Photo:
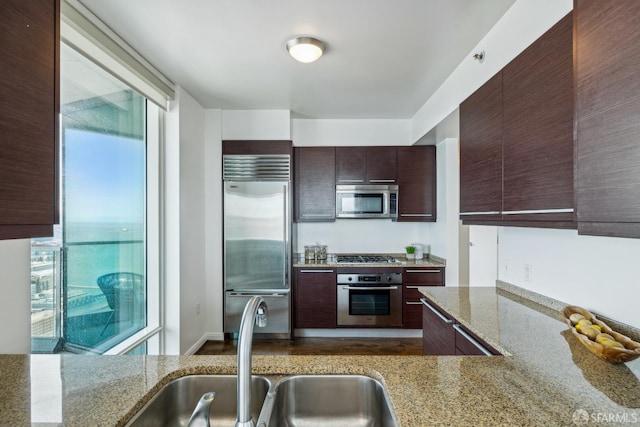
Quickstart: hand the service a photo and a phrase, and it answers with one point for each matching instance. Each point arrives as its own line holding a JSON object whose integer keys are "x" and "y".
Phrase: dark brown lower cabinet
{"x": 442, "y": 335}
{"x": 315, "y": 298}
{"x": 438, "y": 335}
{"x": 468, "y": 344}
{"x": 413, "y": 278}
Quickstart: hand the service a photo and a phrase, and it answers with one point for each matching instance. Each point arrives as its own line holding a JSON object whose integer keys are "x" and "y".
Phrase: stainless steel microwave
{"x": 367, "y": 201}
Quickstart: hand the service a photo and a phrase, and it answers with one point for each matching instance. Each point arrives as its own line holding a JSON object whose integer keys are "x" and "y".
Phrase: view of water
{"x": 93, "y": 250}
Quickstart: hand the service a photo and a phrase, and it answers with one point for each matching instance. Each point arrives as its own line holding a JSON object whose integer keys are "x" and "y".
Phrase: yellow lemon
{"x": 584, "y": 322}
{"x": 575, "y": 317}
{"x": 604, "y": 336}
{"x": 612, "y": 343}
{"x": 590, "y": 332}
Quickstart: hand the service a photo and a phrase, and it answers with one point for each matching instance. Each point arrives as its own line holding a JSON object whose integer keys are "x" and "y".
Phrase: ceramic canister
{"x": 419, "y": 250}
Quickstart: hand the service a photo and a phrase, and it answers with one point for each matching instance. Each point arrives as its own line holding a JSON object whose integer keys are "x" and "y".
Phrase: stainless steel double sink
{"x": 286, "y": 401}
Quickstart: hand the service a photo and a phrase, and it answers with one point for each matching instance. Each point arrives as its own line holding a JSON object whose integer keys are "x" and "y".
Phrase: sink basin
{"x": 329, "y": 400}
{"x": 175, "y": 402}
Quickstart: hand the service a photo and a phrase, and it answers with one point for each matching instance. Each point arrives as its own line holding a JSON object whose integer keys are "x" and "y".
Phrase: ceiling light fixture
{"x": 305, "y": 49}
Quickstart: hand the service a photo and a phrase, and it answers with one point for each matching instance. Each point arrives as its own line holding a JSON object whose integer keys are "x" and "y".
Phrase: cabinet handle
{"x": 424, "y": 271}
{"x": 538, "y": 211}
{"x": 472, "y": 340}
{"x": 481, "y": 213}
{"x": 411, "y": 287}
{"x": 316, "y": 271}
{"x": 418, "y": 215}
{"x": 316, "y": 216}
{"x": 351, "y": 180}
{"x": 382, "y": 180}
{"x": 413, "y": 302}
{"x": 374, "y": 288}
{"x": 436, "y": 312}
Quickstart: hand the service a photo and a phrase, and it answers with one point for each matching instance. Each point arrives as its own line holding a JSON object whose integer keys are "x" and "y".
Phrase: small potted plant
{"x": 410, "y": 251}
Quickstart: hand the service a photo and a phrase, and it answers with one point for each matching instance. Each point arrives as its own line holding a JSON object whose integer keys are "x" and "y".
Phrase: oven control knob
{"x": 350, "y": 279}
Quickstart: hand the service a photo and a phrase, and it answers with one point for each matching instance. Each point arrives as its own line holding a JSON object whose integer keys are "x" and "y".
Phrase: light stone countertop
{"x": 548, "y": 377}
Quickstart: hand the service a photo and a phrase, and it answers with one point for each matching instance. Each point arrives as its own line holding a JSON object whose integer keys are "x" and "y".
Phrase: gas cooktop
{"x": 360, "y": 259}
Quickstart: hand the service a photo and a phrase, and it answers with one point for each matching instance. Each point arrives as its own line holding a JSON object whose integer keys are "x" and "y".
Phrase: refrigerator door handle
{"x": 285, "y": 232}
{"x": 249, "y": 294}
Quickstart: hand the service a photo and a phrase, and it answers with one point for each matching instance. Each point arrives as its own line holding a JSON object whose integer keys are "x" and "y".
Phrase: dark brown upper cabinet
{"x": 366, "y": 165}
{"x": 29, "y": 107}
{"x": 481, "y": 153}
{"x": 608, "y": 117}
{"x": 257, "y": 147}
{"x": 516, "y": 139}
{"x": 417, "y": 183}
{"x": 351, "y": 165}
{"x": 314, "y": 184}
{"x": 382, "y": 165}
{"x": 537, "y": 131}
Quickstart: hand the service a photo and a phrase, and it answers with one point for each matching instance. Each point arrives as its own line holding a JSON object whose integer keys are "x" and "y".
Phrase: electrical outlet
{"x": 528, "y": 270}
{"x": 198, "y": 307}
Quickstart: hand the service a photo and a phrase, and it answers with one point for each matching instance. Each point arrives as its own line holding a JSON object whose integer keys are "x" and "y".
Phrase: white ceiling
{"x": 384, "y": 58}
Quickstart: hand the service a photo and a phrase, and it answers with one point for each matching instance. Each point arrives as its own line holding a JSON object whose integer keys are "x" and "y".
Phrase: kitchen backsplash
{"x": 362, "y": 235}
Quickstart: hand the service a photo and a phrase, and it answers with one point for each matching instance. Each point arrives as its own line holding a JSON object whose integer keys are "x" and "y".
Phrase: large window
{"x": 89, "y": 282}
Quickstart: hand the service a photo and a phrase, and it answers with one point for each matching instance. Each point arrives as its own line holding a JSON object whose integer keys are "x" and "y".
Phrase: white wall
{"x": 362, "y": 235}
{"x": 256, "y": 124}
{"x": 185, "y": 224}
{"x": 445, "y": 233}
{"x": 213, "y": 226}
{"x": 192, "y": 221}
{"x": 15, "y": 304}
{"x": 597, "y": 273}
{"x": 328, "y": 132}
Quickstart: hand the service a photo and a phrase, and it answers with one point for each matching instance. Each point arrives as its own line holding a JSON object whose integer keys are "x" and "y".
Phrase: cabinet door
{"x": 537, "y": 135}
{"x": 351, "y": 165}
{"x": 411, "y": 307}
{"x": 315, "y": 184}
{"x": 413, "y": 278}
{"x": 316, "y": 298}
{"x": 481, "y": 153}
{"x": 469, "y": 344}
{"x": 29, "y": 107}
{"x": 417, "y": 183}
{"x": 382, "y": 165}
{"x": 438, "y": 336}
{"x": 608, "y": 117}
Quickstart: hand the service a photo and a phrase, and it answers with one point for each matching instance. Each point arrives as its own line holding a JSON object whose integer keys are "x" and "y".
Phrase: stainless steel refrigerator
{"x": 257, "y": 239}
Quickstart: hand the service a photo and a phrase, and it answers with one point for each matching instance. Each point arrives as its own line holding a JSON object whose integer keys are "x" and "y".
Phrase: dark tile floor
{"x": 321, "y": 346}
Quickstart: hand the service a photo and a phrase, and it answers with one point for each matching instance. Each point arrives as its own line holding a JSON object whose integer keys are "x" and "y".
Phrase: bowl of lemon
{"x": 599, "y": 338}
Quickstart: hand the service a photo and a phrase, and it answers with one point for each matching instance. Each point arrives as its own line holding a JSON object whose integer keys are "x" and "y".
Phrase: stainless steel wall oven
{"x": 370, "y": 299}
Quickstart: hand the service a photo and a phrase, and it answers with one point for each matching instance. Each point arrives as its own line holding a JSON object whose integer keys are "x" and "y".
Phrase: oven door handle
{"x": 372, "y": 288}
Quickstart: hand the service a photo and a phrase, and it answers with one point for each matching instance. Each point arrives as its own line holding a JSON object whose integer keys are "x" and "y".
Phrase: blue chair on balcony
{"x": 119, "y": 287}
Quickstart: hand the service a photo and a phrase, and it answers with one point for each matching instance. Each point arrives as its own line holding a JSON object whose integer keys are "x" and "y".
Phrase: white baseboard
{"x": 212, "y": 336}
{"x": 358, "y": 333}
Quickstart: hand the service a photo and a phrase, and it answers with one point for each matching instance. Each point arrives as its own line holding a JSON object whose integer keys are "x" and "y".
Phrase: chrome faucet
{"x": 255, "y": 312}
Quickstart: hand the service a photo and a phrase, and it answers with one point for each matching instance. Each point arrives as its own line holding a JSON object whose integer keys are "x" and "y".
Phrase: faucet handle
{"x": 200, "y": 416}
{"x": 261, "y": 317}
